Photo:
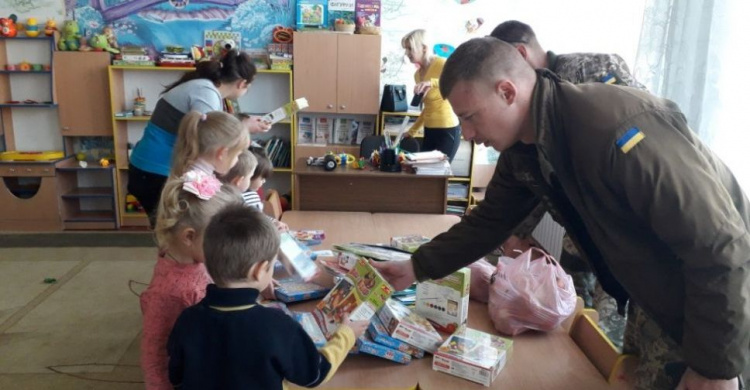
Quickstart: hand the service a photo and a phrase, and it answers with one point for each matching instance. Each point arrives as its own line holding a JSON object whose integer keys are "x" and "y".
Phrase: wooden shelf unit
{"x": 87, "y": 196}
{"x": 123, "y": 81}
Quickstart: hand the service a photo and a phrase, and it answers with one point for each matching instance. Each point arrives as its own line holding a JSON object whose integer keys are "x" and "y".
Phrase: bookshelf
{"x": 270, "y": 90}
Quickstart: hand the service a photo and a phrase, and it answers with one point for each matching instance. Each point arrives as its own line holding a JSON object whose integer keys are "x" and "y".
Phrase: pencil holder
{"x": 389, "y": 161}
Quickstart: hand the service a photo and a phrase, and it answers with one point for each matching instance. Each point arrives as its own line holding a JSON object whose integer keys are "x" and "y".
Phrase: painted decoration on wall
{"x": 155, "y": 24}
{"x": 443, "y": 50}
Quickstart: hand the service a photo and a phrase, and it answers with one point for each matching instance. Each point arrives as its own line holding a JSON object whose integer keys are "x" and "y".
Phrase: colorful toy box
{"x": 379, "y": 334}
{"x": 311, "y": 328}
{"x": 360, "y": 293}
{"x": 473, "y": 355}
{"x": 366, "y": 345}
{"x": 409, "y": 243}
{"x": 296, "y": 290}
{"x": 445, "y": 302}
{"x": 376, "y": 252}
{"x": 402, "y": 324}
{"x": 312, "y": 14}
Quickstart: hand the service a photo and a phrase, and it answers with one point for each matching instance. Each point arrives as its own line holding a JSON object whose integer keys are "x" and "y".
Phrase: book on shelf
{"x": 342, "y": 130}
{"x": 278, "y": 151}
{"x": 323, "y": 129}
{"x": 305, "y": 130}
{"x": 364, "y": 129}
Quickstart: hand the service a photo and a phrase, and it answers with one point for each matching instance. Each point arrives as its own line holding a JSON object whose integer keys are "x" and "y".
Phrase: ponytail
{"x": 200, "y": 134}
{"x": 233, "y": 66}
{"x": 187, "y": 147}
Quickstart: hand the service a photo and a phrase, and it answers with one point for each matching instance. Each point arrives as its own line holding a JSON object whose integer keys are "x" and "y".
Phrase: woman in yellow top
{"x": 441, "y": 128}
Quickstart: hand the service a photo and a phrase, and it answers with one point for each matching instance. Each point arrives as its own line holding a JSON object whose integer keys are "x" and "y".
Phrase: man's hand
{"x": 400, "y": 274}
{"x": 691, "y": 380}
{"x": 422, "y": 87}
{"x": 256, "y": 124}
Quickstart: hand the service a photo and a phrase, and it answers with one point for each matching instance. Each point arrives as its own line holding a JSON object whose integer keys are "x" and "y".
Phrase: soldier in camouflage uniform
{"x": 576, "y": 68}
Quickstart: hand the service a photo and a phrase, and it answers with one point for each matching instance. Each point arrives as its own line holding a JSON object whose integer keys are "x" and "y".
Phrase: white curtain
{"x": 696, "y": 53}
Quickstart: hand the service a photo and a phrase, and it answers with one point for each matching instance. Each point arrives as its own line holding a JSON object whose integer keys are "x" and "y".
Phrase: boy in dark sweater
{"x": 227, "y": 341}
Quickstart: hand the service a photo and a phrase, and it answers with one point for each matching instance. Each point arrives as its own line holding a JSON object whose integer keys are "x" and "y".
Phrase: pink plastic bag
{"x": 481, "y": 273}
{"x": 530, "y": 294}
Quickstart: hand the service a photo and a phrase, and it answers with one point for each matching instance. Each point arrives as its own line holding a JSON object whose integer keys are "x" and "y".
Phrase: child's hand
{"x": 280, "y": 226}
{"x": 358, "y": 327}
{"x": 256, "y": 124}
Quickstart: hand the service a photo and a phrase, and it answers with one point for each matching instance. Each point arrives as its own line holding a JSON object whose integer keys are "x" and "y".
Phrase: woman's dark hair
{"x": 233, "y": 66}
{"x": 264, "y": 168}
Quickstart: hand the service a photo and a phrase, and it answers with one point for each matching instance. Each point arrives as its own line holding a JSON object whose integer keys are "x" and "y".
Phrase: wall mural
{"x": 154, "y": 24}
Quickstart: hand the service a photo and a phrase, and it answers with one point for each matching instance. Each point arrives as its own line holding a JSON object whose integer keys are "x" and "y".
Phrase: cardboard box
{"x": 296, "y": 290}
{"x": 360, "y": 293}
{"x": 311, "y": 328}
{"x": 473, "y": 355}
{"x": 409, "y": 243}
{"x": 402, "y": 324}
{"x": 366, "y": 345}
{"x": 445, "y": 302}
{"x": 379, "y": 334}
{"x": 286, "y": 111}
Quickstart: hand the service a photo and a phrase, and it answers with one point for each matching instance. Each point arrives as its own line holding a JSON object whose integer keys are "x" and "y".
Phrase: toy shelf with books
{"x": 320, "y": 133}
{"x": 269, "y": 90}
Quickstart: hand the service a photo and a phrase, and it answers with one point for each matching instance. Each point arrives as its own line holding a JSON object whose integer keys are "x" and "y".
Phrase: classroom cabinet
{"x": 82, "y": 91}
{"x": 337, "y": 73}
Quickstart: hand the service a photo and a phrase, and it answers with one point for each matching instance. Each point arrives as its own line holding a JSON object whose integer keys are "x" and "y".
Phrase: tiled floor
{"x": 81, "y": 332}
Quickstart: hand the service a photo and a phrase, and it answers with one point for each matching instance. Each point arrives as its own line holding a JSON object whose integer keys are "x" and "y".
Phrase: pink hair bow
{"x": 200, "y": 184}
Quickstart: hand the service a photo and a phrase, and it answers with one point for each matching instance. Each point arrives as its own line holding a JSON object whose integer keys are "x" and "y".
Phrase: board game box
{"x": 409, "y": 243}
{"x": 366, "y": 345}
{"x": 445, "y": 302}
{"x": 407, "y": 326}
{"x": 295, "y": 290}
{"x": 473, "y": 355}
{"x": 375, "y": 252}
{"x": 360, "y": 293}
{"x": 379, "y": 334}
{"x": 311, "y": 327}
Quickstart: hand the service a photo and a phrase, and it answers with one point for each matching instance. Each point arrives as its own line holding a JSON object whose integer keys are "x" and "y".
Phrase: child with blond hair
{"x": 180, "y": 276}
{"x": 228, "y": 341}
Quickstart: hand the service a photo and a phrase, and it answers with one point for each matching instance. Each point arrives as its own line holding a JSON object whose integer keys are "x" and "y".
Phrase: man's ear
{"x": 524, "y": 53}
{"x": 507, "y": 90}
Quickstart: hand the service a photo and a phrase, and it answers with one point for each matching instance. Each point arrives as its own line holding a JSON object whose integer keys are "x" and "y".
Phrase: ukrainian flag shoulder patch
{"x": 631, "y": 138}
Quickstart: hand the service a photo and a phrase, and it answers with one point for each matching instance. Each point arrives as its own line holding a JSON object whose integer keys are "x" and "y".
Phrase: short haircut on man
{"x": 483, "y": 59}
{"x": 236, "y": 238}
{"x": 514, "y": 32}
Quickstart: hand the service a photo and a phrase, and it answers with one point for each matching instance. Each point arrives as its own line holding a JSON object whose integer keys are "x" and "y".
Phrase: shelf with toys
{"x": 270, "y": 90}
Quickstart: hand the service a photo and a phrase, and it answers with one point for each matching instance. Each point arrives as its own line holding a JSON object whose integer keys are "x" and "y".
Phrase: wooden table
{"x": 348, "y": 189}
{"x": 538, "y": 361}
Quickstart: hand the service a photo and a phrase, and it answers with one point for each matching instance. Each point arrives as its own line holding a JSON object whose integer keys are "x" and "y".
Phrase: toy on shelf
{"x": 70, "y": 36}
{"x": 50, "y": 27}
{"x": 11, "y": 67}
{"x": 8, "y": 27}
{"x": 139, "y": 104}
{"x": 104, "y": 162}
{"x": 99, "y": 42}
{"x": 281, "y": 34}
{"x": 109, "y": 32}
{"x": 132, "y": 205}
{"x": 24, "y": 66}
{"x": 221, "y": 47}
{"x": 32, "y": 28}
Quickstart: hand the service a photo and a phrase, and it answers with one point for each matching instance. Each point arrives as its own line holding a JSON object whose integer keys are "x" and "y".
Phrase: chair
{"x": 272, "y": 205}
{"x": 370, "y": 144}
{"x": 410, "y": 145}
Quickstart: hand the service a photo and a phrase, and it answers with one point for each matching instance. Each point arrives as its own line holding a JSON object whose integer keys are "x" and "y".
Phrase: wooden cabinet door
{"x": 82, "y": 93}
{"x": 358, "y": 74}
{"x": 315, "y": 70}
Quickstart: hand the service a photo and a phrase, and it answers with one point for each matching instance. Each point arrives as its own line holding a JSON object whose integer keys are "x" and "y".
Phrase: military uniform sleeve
{"x": 505, "y": 205}
{"x": 622, "y": 72}
{"x": 674, "y": 188}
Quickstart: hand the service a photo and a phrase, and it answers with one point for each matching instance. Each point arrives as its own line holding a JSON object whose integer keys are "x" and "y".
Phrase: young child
{"x": 227, "y": 341}
{"x": 180, "y": 277}
{"x": 248, "y": 175}
{"x": 208, "y": 144}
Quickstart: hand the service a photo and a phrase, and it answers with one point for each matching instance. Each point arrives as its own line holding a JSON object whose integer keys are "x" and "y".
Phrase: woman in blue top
{"x": 202, "y": 90}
